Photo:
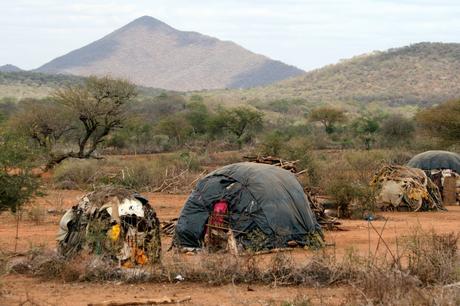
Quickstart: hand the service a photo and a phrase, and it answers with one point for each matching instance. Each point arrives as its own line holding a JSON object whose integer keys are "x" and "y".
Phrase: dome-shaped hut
{"x": 261, "y": 206}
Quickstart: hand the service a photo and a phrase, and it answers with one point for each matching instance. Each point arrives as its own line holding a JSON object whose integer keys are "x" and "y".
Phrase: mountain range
{"x": 151, "y": 53}
{"x": 155, "y": 55}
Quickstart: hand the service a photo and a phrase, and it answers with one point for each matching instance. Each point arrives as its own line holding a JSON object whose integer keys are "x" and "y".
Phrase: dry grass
{"x": 424, "y": 271}
{"x": 432, "y": 257}
{"x": 299, "y": 300}
{"x": 167, "y": 173}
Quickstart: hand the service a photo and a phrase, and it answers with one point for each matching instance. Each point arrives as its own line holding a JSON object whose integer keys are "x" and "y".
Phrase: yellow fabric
{"x": 114, "y": 232}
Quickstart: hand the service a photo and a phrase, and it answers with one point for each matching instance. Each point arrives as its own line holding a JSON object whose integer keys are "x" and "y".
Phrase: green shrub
{"x": 17, "y": 183}
{"x": 273, "y": 143}
{"x": 301, "y": 149}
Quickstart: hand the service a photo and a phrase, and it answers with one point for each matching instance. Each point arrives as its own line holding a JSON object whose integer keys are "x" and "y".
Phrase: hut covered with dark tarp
{"x": 436, "y": 160}
{"x": 267, "y": 208}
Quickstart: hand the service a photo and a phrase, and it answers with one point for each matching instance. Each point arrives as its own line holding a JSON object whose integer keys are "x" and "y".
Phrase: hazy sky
{"x": 308, "y": 34}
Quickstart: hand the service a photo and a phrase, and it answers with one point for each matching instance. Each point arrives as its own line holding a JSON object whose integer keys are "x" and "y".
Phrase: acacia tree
{"x": 78, "y": 119}
{"x": 240, "y": 121}
{"x": 328, "y": 116}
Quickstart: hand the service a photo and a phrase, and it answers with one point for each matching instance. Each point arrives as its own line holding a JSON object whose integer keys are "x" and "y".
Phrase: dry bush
{"x": 408, "y": 295}
{"x": 48, "y": 267}
{"x": 72, "y": 269}
{"x": 346, "y": 176}
{"x": 299, "y": 300}
{"x": 36, "y": 214}
{"x": 165, "y": 172}
{"x": 76, "y": 174}
{"x": 364, "y": 164}
{"x": 3, "y": 262}
{"x": 3, "y": 269}
{"x": 216, "y": 159}
{"x": 399, "y": 157}
{"x": 432, "y": 257}
{"x": 415, "y": 277}
{"x": 384, "y": 284}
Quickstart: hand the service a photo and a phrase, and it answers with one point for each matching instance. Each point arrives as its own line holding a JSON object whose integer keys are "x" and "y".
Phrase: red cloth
{"x": 218, "y": 213}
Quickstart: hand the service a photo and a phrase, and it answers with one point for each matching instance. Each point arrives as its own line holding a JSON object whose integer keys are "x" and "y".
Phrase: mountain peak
{"x": 149, "y": 52}
{"x": 147, "y": 21}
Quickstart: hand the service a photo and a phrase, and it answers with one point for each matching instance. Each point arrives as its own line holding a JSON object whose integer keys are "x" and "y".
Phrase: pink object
{"x": 218, "y": 212}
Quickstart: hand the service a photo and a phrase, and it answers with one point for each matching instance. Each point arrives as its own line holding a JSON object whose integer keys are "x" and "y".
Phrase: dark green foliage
{"x": 241, "y": 122}
{"x": 284, "y": 106}
{"x": 197, "y": 115}
{"x": 7, "y": 108}
{"x": 328, "y": 116}
{"x": 366, "y": 128}
{"x": 17, "y": 184}
{"x": 176, "y": 127}
{"x": 273, "y": 143}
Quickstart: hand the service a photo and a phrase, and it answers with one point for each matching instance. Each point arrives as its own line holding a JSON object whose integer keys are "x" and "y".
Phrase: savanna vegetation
{"x": 103, "y": 131}
{"x": 406, "y": 78}
{"x": 101, "y": 117}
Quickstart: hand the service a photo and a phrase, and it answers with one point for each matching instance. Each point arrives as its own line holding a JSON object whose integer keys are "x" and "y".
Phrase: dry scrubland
{"x": 415, "y": 263}
{"x": 398, "y": 258}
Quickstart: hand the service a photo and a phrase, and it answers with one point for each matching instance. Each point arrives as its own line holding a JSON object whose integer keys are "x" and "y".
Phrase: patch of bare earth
{"x": 356, "y": 234}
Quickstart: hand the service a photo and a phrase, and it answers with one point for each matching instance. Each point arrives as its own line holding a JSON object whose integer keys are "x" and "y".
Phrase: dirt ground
{"x": 356, "y": 234}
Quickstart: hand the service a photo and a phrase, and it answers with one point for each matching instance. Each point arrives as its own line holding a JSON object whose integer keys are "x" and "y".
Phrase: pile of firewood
{"x": 326, "y": 222}
{"x": 275, "y": 161}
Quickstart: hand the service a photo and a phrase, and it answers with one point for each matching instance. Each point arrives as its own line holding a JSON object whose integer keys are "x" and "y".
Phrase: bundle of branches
{"x": 326, "y": 222}
{"x": 179, "y": 182}
{"x": 401, "y": 187}
{"x": 275, "y": 161}
{"x": 168, "y": 227}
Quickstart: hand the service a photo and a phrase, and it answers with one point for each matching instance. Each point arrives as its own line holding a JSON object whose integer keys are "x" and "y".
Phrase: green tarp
{"x": 262, "y": 199}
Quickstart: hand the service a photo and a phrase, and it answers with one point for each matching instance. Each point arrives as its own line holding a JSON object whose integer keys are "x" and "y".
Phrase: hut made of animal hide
{"x": 113, "y": 223}
{"x": 405, "y": 188}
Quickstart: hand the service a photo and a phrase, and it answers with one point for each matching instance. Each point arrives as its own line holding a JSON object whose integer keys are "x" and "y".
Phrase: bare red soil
{"x": 356, "y": 234}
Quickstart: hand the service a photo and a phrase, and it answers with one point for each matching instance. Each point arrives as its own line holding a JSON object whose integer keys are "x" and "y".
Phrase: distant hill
{"x": 420, "y": 74}
{"x": 26, "y": 84}
{"x": 151, "y": 53}
{"x": 9, "y": 68}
